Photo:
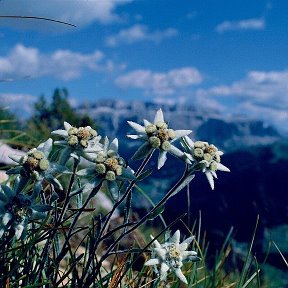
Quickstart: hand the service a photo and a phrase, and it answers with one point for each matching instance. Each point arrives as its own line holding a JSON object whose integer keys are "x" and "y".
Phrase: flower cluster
{"x": 16, "y": 210}
{"x": 81, "y": 140}
{"x": 35, "y": 160}
{"x": 171, "y": 255}
{"x": 109, "y": 168}
{"x": 205, "y": 157}
{"x": 157, "y": 135}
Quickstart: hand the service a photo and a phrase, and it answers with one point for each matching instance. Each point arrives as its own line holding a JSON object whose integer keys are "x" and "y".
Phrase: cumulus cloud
{"x": 263, "y": 94}
{"x": 23, "y": 62}
{"x": 138, "y": 33}
{"x": 157, "y": 83}
{"x": 77, "y": 12}
{"x": 246, "y": 24}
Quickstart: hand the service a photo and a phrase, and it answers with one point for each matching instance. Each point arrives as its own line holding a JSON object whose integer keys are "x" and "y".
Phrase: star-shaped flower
{"x": 110, "y": 168}
{"x": 205, "y": 157}
{"x": 17, "y": 210}
{"x": 35, "y": 163}
{"x": 157, "y": 135}
{"x": 80, "y": 141}
{"x": 171, "y": 254}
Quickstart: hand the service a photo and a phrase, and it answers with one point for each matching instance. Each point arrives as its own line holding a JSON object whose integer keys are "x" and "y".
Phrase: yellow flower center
{"x": 111, "y": 164}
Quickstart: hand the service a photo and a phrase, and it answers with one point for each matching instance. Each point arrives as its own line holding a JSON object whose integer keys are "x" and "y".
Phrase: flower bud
{"x": 166, "y": 145}
{"x": 150, "y": 129}
{"x": 73, "y": 131}
{"x": 199, "y": 144}
{"x": 100, "y": 168}
{"x": 161, "y": 125}
{"x": 119, "y": 170}
{"x": 207, "y": 157}
{"x": 213, "y": 166}
{"x": 198, "y": 153}
{"x": 84, "y": 143}
{"x": 110, "y": 176}
{"x": 44, "y": 164}
{"x": 154, "y": 142}
{"x": 72, "y": 140}
{"x": 38, "y": 155}
{"x": 171, "y": 133}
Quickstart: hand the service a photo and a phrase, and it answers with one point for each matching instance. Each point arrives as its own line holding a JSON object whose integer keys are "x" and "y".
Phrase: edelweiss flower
{"x": 109, "y": 168}
{"x": 171, "y": 255}
{"x": 36, "y": 163}
{"x": 81, "y": 140}
{"x": 157, "y": 135}
{"x": 17, "y": 209}
{"x": 206, "y": 157}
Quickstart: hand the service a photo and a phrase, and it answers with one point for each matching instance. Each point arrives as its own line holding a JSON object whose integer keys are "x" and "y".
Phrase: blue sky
{"x": 226, "y": 55}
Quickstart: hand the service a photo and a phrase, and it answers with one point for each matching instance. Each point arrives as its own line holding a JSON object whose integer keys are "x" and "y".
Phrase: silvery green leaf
{"x": 1, "y": 232}
{"x": 62, "y": 133}
{"x": 142, "y": 151}
{"x": 8, "y": 191}
{"x": 210, "y": 178}
{"x": 65, "y": 155}
{"x": 14, "y": 170}
{"x": 54, "y": 197}
{"x": 106, "y": 144}
{"x": 221, "y": 167}
{"x": 55, "y": 167}
{"x": 15, "y": 158}
{"x": 137, "y": 127}
{"x": 181, "y": 133}
{"x": 114, "y": 145}
{"x": 162, "y": 159}
{"x": 88, "y": 187}
{"x": 146, "y": 123}
{"x": 37, "y": 215}
{"x": 144, "y": 174}
{"x": 184, "y": 183}
{"x": 86, "y": 172}
{"x": 127, "y": 174}
{"x": 135, "y": 137}
{"x": 156, "y": 212}
{"x": 113, "y": 189}
{"x": 159, "y": 116}
{"x": 67, "y": 126}
{"x": 36, "y": 190}
{"x": 54, "y": 181}
{"x": 3, "y": 197}
{"x": 19, "y": 230}
{"x": 46, "y": 147}
{"x": 6, "y": 218}
{"x": 176, "y": 152}
{"x": 42, "y": 208}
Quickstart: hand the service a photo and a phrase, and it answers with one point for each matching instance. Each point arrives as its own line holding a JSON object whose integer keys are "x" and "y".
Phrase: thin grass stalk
{"x": 245, "y": 267}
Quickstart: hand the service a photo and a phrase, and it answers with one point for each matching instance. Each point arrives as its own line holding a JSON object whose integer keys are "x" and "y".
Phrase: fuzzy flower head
{"x": 205, "y": 157}
{"x": 157, "y": 135}
{"x": 79, "y": 139}
{"x": 35, "y": 163}
{"x": 16, "y": 210}
{"x": 171, "y": 255}
{"x": 110, "y": 168}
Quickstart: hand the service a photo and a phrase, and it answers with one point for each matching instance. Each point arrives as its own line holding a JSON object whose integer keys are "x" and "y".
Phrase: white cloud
{"x": 246, "y": 24}
{"x": 261, "y": 94}
{"x": 138, "y": 33}
{"x": 160, "y": 83}
{"x": 78, "y": 12}
{"x": 23, "y": 62}
{"x": 260, "y": 87}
